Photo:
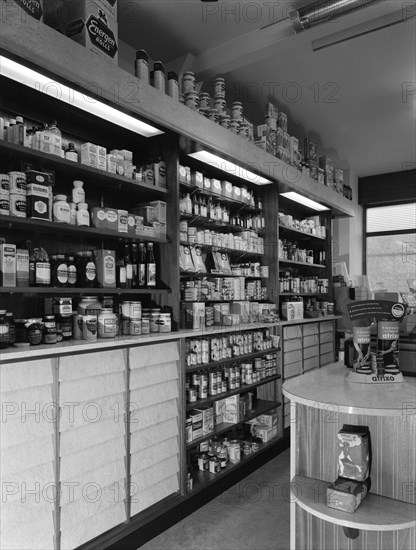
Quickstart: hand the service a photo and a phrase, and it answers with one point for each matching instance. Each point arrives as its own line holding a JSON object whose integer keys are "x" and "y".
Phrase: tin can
{"x": 154, "y": 322}
{"x": 125, "y": 326}
{"x": 135, "y": 328}
{"x": 4, "y": 205}
{"x": 4, "y": 184}
{"x": 125, "y": 309}
{"x": 17, "y": 183}
{"x": 77, "y": 326}
{"x": 214, "y": 465}
{"x": 89, "y": 328}
{"x": 145, "y": 326}
{"x": 135, "y": 310}
{"x": 192, "y": 395}
{"x": 165, "y": 323}
{"x": 234, "y": 451}
{"x": 203, "y": 461}
{"x": 18, "y": 205}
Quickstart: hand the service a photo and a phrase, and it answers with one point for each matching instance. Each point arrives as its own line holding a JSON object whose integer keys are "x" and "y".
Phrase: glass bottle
{"x": 121, "y": 273}
{"x": 71, "y": 153}
{"x": 134, "y": 255}
{"x": 72, "y": 271}
{"x": 141, "y": 266}
{"x": 129, "y": 266}
{"x": 150, "y": 266}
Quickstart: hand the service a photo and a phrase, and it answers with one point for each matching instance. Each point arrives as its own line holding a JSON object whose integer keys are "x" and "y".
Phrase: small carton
{"x": 242, "y": 309}
{"x": 216, "y": 186}
{"x": 227, "y": 189}
{"x": 219, "y": 410}
{"x": 346, "y": 494}
{"x": 33, "y": 176}
{"x": 101, "y": 158}
{"x": 105, "y": 261}
{"x": 111, "y": 163}
{"x": 89, "y": 154}
{"x": 122, "y": 216}
{"x": 37, "y": 205}
{"x": 197, "y": 179}
{"x": 184, "y": 174}
{"x": 156, "y": 211}
{"x": 119, "y": 159}
{"x": 7, "y": 265}
{"x": 112, "y": 218}
{"x": 232, "y": 409}
{"x": 196, "y": 419}
{"x": 265, "y": 433}
{"x": 268, "y": 419}
{"x": 99, "y": 217}
{"x": 292, "y": 310}
{"x": 22, "y": 267}
{"x": 207, "y": 419}
{"x": 207, "y": 184}
{"x": 194, "y": 314}
{"x": 310, "y": 151}
{"x": 236, "y": 193}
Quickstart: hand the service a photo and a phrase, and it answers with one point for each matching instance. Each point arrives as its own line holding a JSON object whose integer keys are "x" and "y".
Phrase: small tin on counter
{"x": 145, "y": 326}
{"x": 89, "y": 328}
{"x": 135, "y": 327}
{"x": 203, "y": 461}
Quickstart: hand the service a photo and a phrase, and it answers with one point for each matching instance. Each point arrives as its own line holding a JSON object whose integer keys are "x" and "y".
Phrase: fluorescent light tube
{"x": 40, "y": 83}
{"x": 303, "y": 200}
{"x": 229, "y": 167}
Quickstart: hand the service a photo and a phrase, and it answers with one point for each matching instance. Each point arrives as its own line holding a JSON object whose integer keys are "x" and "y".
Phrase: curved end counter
{"x": 321, "y": 403}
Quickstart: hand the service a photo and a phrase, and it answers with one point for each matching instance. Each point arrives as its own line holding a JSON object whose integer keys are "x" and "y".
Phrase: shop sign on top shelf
{"x": 378, "y": 366}
{"x": 31, "y": 7}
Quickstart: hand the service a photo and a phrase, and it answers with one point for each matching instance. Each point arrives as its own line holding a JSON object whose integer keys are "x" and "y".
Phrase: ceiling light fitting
{"x": 304, "y": 200}
{"x": 53, "y": 88}
{"x": 325, "y": 10}
{"x": 229, "y": 167}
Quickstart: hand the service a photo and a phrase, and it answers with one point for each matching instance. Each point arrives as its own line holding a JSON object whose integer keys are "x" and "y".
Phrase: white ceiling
{"x": 348, "y": 96}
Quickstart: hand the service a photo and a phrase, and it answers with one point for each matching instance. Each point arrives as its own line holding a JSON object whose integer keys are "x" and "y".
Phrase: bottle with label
{"x": 19, "y": 131}
{"x": 134, "y": 255}
{"x": 129, "y": 267}
{"x": 150, "y": 266}
{"x": 72, "y": 271}
{"x": 78, "y": 193}
{"x": 61, "y": 210}
{"x": 71, "y": 153}
{"x": 86, "y": 270}
{"x": 56, "y": 138}
{"x": 39, "y": 268}
{"x": 83, "y": 216}
{"x": 141, "y": 267}
{"x": 59, "y": 270}
{"x": 50, "y": 335}
{"x": 160, "y": 172}
{"x": 121, "y": 273}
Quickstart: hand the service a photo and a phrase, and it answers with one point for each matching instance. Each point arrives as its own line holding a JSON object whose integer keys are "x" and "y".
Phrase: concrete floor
{"x": 251, "y": 515}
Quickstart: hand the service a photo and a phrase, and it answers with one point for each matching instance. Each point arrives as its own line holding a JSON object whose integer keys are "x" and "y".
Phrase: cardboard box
{"x": 346, "y": 494}
{"x": 219, "y": 410}
{"x": 197, "y": 179}
{"x": 22, "y": 267}
{"x": 231, "y": 412}
{"x": 194, "y": 314}
{"x": 105, "y": 261}
{"x": 292, "y": 310}
{"x": 207, "y": 419}
{"x": 242, "y": 309}
{"x": 89, "y": 154}
{"x": 37, "y": 201}
{"x": 196, "y": 419}
{"x": 34, "y": 8}
{"x": 154, "y": 211}
{"x": 268, "y": 419}
{"x": 7, "y": 265}
{"x": 265, "y": 433}
{"x": 92, "y": 24}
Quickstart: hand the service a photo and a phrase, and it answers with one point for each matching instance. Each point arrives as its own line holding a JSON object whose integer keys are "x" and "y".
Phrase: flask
{"x": 134, "y": 263}
{"x": 71, "y": 153}
{"x": 121, "y": 273}
{"x": 55, "y": 138}
{"x": 141, "y": 266}
{"x": 129, "y": 266}
{"x": 150, "y": 266}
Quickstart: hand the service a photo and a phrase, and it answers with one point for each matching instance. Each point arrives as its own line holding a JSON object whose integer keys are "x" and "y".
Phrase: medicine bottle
{"x": 83, "y": 216}
{"x": 78, "y": 193}
{"x": 71, "y": 153}
{"x": 61, "y": 211}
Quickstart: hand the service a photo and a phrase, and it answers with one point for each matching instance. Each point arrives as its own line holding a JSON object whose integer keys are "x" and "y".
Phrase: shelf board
{"x": 376, "y": 513}
{"x": 204, "y": 478}
{"x": 300, "y": 233}
{"x": 76, "y": 169}
{"x": 78, "y": 291}
{"x": 207, "y": 223}
{"x": 259, "y": 408}
{"x": 237, "y": 358}
{"x": 192, "y": 274}
{"x": 242, "y": 388}
{"x": 304, "y": 264}
{"x": 29, "y": 224}
{"x": 230, "y": 251}
{"x": 303, "y": 293}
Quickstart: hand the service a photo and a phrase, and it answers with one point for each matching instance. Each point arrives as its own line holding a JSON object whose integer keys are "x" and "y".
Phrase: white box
{"x": 292, "y": 310}
{"x": 89, "y": 154}
{"x": 7, "y": 265}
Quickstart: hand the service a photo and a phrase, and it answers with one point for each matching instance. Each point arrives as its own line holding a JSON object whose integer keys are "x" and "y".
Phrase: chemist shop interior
{"x": 207, "y": 272}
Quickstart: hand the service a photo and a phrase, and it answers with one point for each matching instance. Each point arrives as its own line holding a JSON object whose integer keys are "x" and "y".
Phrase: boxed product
{"x": 227, "y": 189}
{"x": 112, "y": 218}
{"x": 111, "y": 163}
{"x": 197, "y": 179}
{"x": 231, "y": 412}
{"x": 127, "y": 163}
{"x": 354, "y": 448}
{"x": 222, "y": 262}
{"x": 37, "y": 201}
{"x": 310, "y": 151}
{"x": 207, "y": 184}
{"x": 89, "y": 154}
{"x": 185, "y": 259}
{"x": 254, "y": 312}
{"x": 265, "y": 433}
{"x": 194, "y": 314}
{"x": 7, "y": 265}
{"x": 156, "y": 213}
{"x": 33, "y": 8}
{"x": 118, "y": 157}
{"x": 346, "y": 494}
{"x": 188, "y": 429}
{"x": 105, "y": 261}
{"x": 33, "y": 176}
{"x": 292, "y": 310}
{"x": 207, "y": 419}
{"x": 184, "y": 174}
{"x": 196, "y": 419}
{"x": 219, "y": 410}
{"x": 268, "y": 419}
{"x": 22, "y": 267}
{"x": 92, "y": 24}
{"x": 242, "y": 309}
{"x": 122, "y": 216}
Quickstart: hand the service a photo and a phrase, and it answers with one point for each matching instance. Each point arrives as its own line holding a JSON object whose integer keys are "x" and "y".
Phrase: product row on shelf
{"x": 311, "y": 225}
{"x": 302, "y": 284}
{"x": 48, "y": 138}
{"x": 25, "y": 265}
{"x": 246, "y": 242}
{"x": 30, "y": 194}
{"x": 93, "y": 319}
{"x": 224, "y": 289}
{"x": 201, "y": 384}
{"x": 292, "y": 251}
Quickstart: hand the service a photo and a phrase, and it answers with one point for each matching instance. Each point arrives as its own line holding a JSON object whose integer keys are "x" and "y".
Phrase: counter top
{"x": 327, "y": 388}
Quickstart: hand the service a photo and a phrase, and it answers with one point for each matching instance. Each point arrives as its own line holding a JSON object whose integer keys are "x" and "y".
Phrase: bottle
{"x": 72, "y": 271}
{"x": 19, "y": 131}
{"x": 121, "y": 273}
{"x": 72, "y": 213}
{"x": 150, "y": 267}
{"x": 159, "y": 169}
{"x": 10, "y": 130}
{"x": 86, "y": 270}
{"x": 78, "y": 193}
{"x": 61, "y": 211}
{"x": 83, "y": 216}
{"x": 134, "y": 255}
{"x": 41, "y": 267}
{"x": 59, "y": 270}
{"x": 141, "y": 267}
{"x": 159, "y": 80}
{"x": 141, "y": 68}
{"x": 129, "y": 266}
{"x": 56, "y": 138}
{"x": 71, "y": 153}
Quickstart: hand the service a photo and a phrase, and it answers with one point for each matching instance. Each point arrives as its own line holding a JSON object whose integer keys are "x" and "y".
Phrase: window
{"x": 390, "y": 241}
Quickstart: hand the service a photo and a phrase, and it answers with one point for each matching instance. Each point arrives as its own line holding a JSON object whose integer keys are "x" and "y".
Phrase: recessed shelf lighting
{"x": 229, "y": 167}
{"x": 304, "y": 200}
{"x": 62, "y": 92}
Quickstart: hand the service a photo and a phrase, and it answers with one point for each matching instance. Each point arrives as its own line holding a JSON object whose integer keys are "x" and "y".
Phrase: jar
{"x": 29, "y": 331}
{"x": 71, "y": 153}
{"x": 49, "y": 330}
{"x": 77, "y": 326}
{"x": 204, "y": 101}
{"x": 59, "y": 268}
{"x": 173, "y": 85}
{"x": 61, "y": 211}
{"x": 165, "y": 324}
{"x": 214, "y": 465}
{"x": 4, "y": 205}
{"x": 18, "y": 205}
{"x": 188, "y": 82}
{"x": 135, "y": 327}
{"x": 12, "y": 328}
{"x": 135, "y": 310}
{"x": 83, "y": 216}
{"x": 72, "y": 213}
{"x": 142, "y": 66}
{"x": 89, "y": 305}
{"x": 89, "y": 328}
{"x": 4, "y": 184}
{"x": 64, "y": 327}
{"x": 145, "y": 326}
{"x": 192, "y": 100}
{"x": 107, "y": 324}
{"x": 203, "y": 461}
{"x": 235, "y": 451}
{"x": 237, "y": 110}
{"x": 222, "y": 455}
{"x": 219, "y": 88}
{"x": 72, "y": 271}
{"x": 4, "y": 330}
{"x": 154, "y": 322}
